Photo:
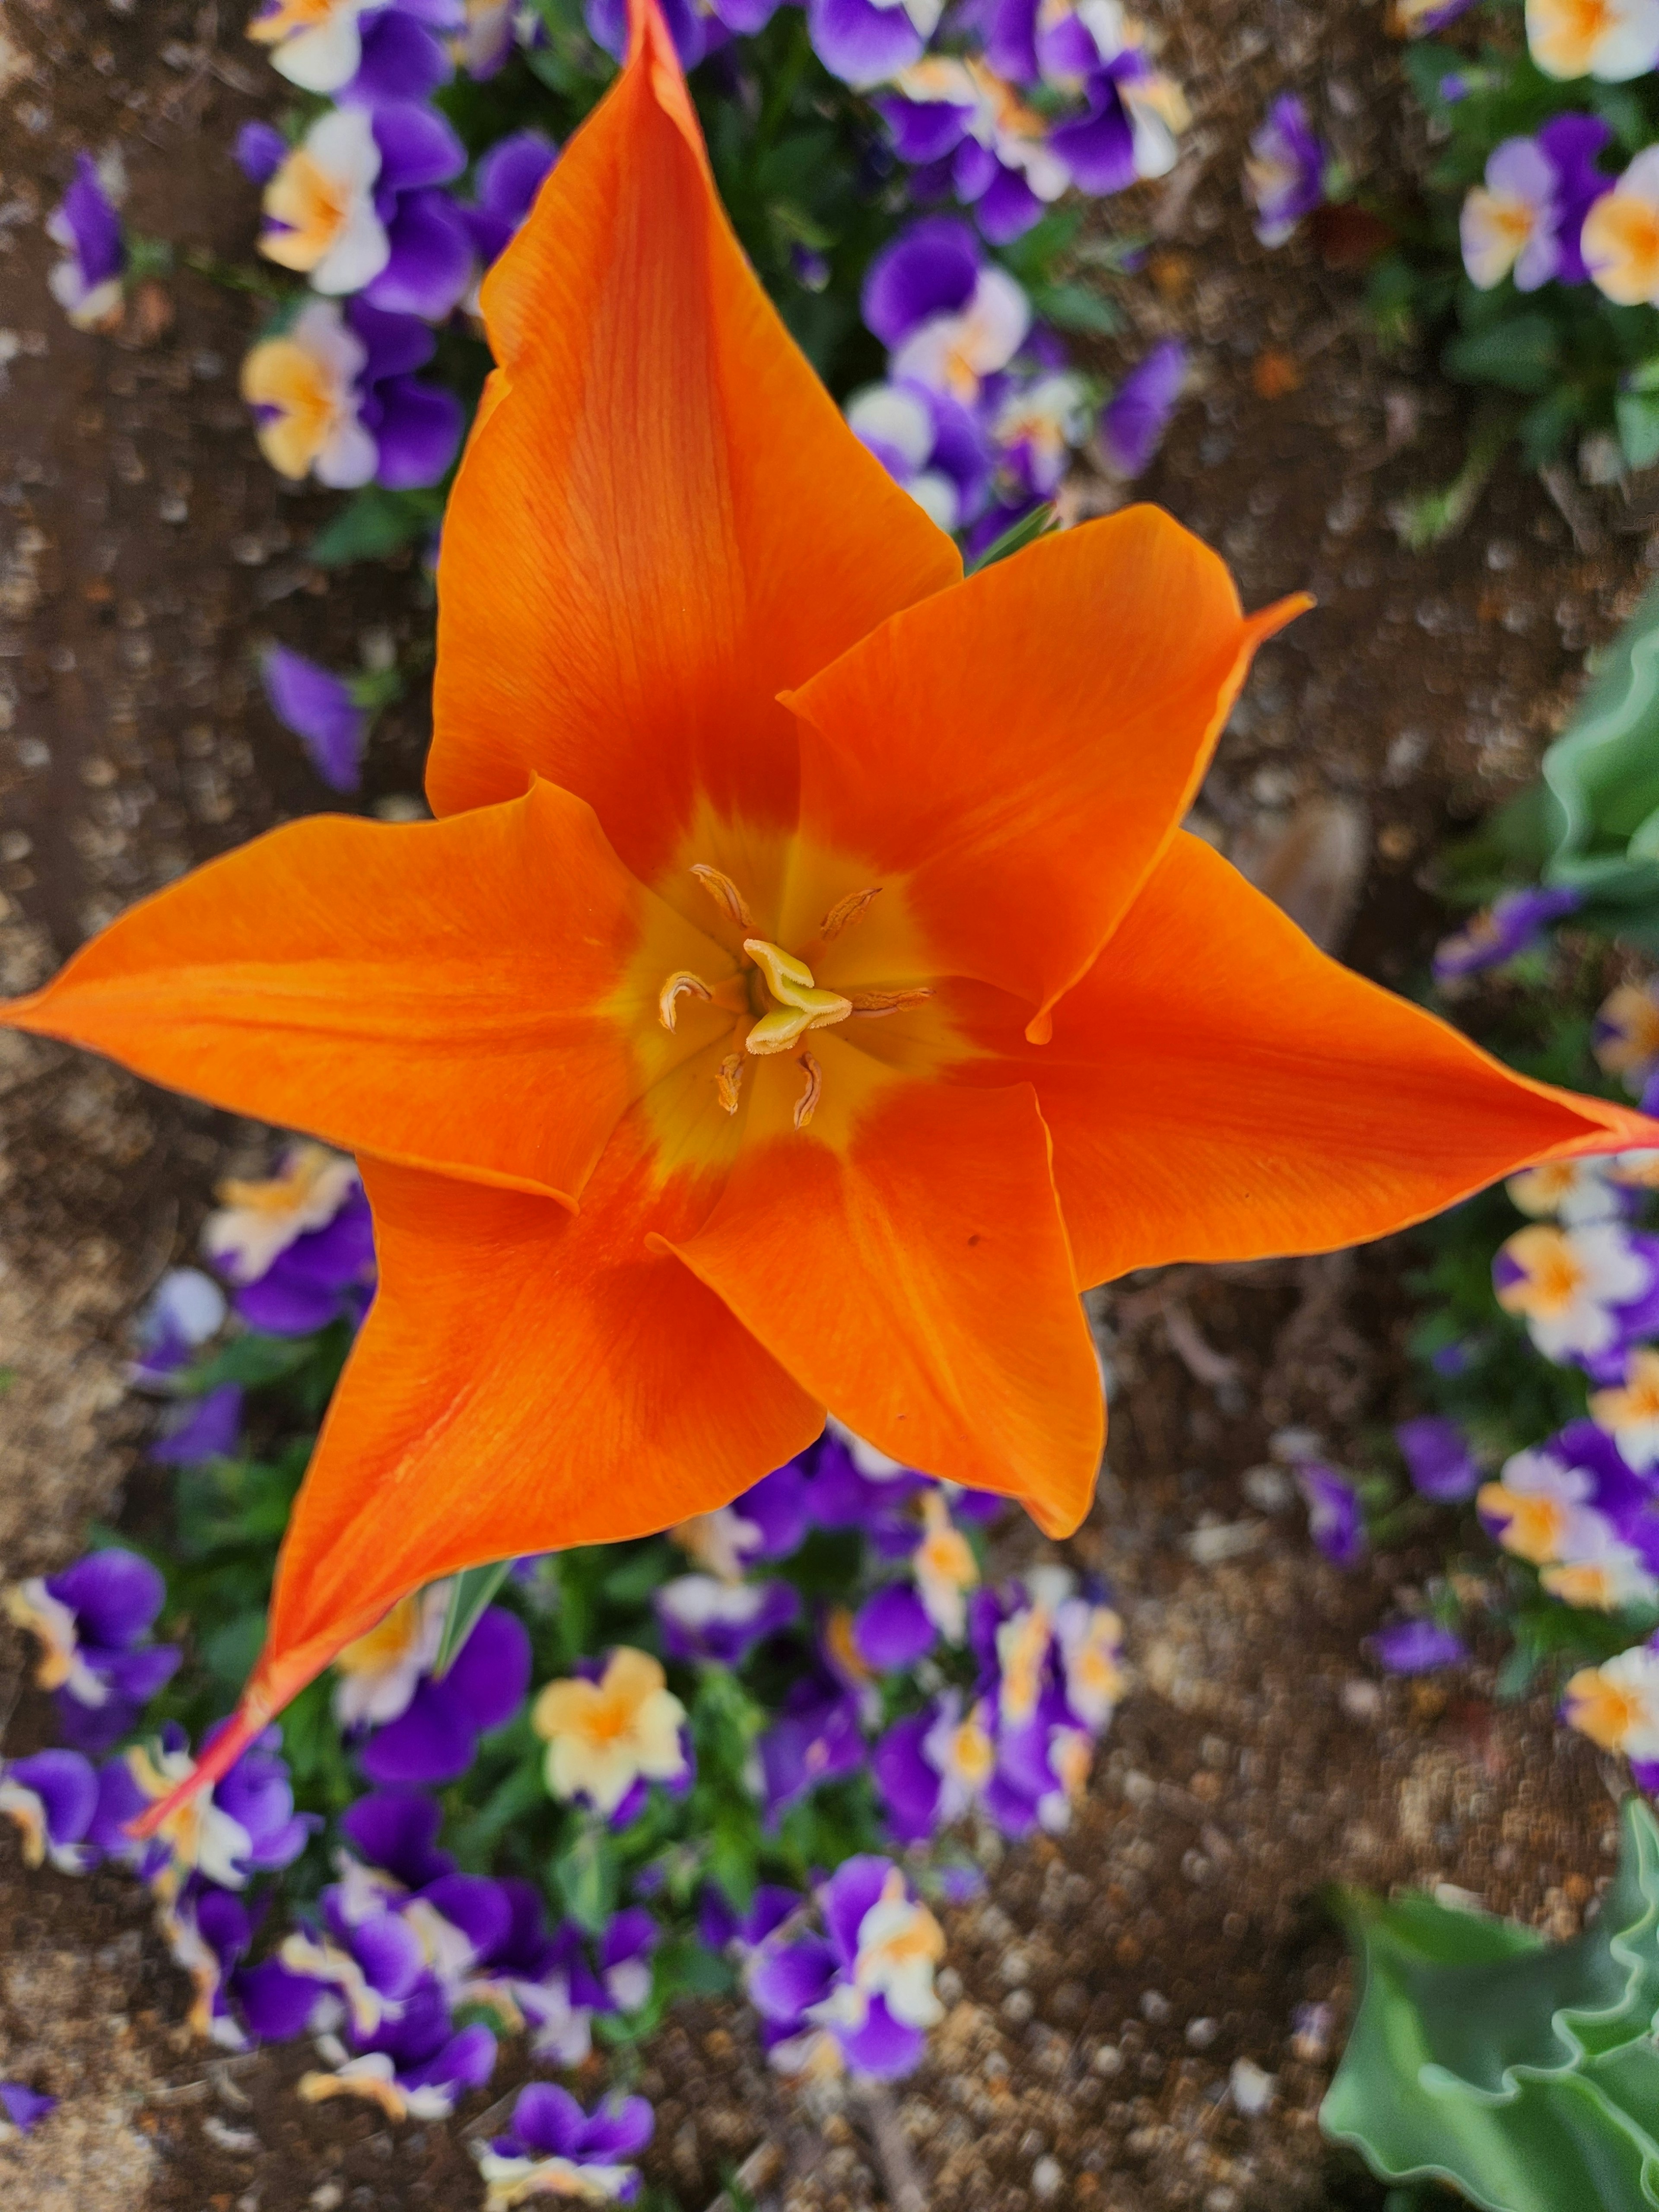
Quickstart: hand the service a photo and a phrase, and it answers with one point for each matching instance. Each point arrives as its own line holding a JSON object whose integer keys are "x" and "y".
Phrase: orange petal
{"x": 663, "y": 521}
{"x": 527, "y": 1380}
{"x": 1020, "y": 751}
{"x": 1218, "y": 1089}
{"x": 448, "y": 994}
{"x": 918, "y": 1282}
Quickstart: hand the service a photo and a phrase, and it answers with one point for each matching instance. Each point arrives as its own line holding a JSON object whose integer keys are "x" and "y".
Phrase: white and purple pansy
{"x": 1626, "y": 1035}
{"x": 816, "y": 1738}
{"x": 949, "y": 318}
{"x": 971, "y": 136}
{"x": 1573, "y": 1192}
{"x": 707, "y": 1620}
{"x": 929, "y": 443}
{"x": 362, "y": 50}
{"x": 1585, "y": 1293}
{"x": 298, "y": 1246}
{"x": 91, "y": 1622}
{"x": 861, "y": 1997}
{"x": 334, "y": 395}
{"x": 1629, "y": 1410}
{"x": 209, "y": 1932}
{"x": 1616, "y": 1705}
{"x": 52, "y": 1799}
{"x": 1577, "y": 1510}
{"x": 358, "y": 207}
{"x": 242, "y": 1825}
{"x": 935, "y": 1766}
{"x": 414, "y": 2067}
{"x": 87, "y": 283}
{"x": 552, "y": 2147}
{"x": 421, "y": 1727}
{"x": 611, "y": 1730}
{"x": 186, "y": 1310}
{"x": 1526, "y": 220}
{"x": 1284, "y": 171}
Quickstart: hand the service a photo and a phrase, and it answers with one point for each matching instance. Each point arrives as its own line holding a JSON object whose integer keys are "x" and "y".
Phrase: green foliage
{"x": 1030, "y": 526}
{"x": 374, "y": 523}
{"x": 1522, "y": 2073}
{"x": 469, "y": 1594}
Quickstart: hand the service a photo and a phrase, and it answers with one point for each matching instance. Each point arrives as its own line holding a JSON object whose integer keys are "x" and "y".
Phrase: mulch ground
{"x": 1102, "y": 1992}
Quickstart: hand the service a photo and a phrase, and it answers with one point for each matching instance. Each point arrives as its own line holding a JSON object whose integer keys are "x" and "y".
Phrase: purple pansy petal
{"x": 417, "y": 147}
{"x": 547, "y": 2121}
{"x": 784, "y": 1979}
{"x": 510, "y": 174}
{"x": 392, "y": 344}
{"x": 1133, "y": 422}
{"x": 1510, "y": 926}
{"x": 275, "y": 2004}
{"x": 1335, "y": 1520}
{"x": 94, "y": 225}
{"x": 1099, "y": 147}
{"x": 397, "y": 1830}
{"x": 476, "y": 1906}
{"x": 862, "y": 43}
{"x": 923, "y": 130}
{"x": 884, "y": 2048}
{"x": 260, "y": 150}
{"x": 619, "y": 2129}
{"x": 1438, "y": 1459}
{"x": 910, "y": 1786}
{"x": 1571, "y": 144}
{"x": 1007, "y": 208}
{"x": 466, "y": 2061}
{"x": 401, "y": 61}
{"x": 430, "y": 263}
{"x": 115, "y": 1593}
{"x": 23, "y": 2106}
{"x": 209, "y": 1430}
{"x": 1011, "y": 39}
{"x": 777, "y": 1507}
{"x": 893, "y": 1628}
{"x": 930, "y": 270}
{"x": 1412, "y": 1647}
{"x": 418, "y": 431}
{"x": 432, "y": 1740}
{"x": 490, "y": 1674}
{"x": 66, "y": 1786}
{"x": 317, "y": 706}
{"x": 855, "y": 1885}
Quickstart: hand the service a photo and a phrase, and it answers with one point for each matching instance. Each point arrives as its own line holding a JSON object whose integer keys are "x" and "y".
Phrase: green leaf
{"x": 252, "y": 1360}
{"x": 587, "y": 1878}
{"x": 1521, "y": 2072}
{"x": 1017, "y": 537}
{"x": 1520, "y": 353}
{"x": 469, "y": 1594}
{"x": 1074, "y": 307}
{"x": 373, "y": 523}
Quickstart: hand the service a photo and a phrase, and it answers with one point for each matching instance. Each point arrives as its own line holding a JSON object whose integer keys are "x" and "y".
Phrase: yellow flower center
{"x": 290, "y": 16}
{"x": 386, "y": 1645}
{"x": 775, "y": 997}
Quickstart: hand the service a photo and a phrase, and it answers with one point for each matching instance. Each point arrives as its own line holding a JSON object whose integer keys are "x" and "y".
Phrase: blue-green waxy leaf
{"x": 469, "y": 1594}
{"x": 1522, "y": 2073}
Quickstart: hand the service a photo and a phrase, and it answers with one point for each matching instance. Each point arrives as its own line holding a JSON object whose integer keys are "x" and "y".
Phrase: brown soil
{"x": 1103, "y": 1991}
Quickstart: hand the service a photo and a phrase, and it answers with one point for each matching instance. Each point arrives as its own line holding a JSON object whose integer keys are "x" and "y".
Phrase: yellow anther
{"x": 890, "y": 1002}
{"x": 682, "y": 984}
{"x": 806, "y": 1104}
{"x": 729, "y": 1080}
{"x": 845, "y": 912}
{"x": 801, "y": 1006}
{"x": 724, "y": 894}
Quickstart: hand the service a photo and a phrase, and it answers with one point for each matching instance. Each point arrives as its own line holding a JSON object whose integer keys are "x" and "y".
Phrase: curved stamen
{"x": 845, "y": 912}
{"x": 806, "y": 1104}
{"x": 724, "y": 894}
{"x": 728, "y": 1081}
{"x": 682, "y": 984}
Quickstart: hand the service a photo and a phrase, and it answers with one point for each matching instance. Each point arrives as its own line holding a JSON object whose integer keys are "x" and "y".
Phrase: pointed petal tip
{"x": 251, "y": 1717}
{"x": 1267, "y": 621}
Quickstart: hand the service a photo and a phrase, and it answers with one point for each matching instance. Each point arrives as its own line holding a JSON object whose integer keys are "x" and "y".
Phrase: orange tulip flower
{"x": 806, "y": 989}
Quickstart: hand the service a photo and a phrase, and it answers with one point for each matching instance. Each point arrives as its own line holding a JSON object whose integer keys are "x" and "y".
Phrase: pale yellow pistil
{"x": 801, "y": 1005}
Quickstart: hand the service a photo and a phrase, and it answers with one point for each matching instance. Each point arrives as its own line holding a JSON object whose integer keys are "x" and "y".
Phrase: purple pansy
{"x": 428, "y": 260}
{"x": 864, "y": 42}
{"x": 325, "y": 1274}
{"x": 414, "y": 2064}
{"x": 186, "y": 1308}
{"x": 1572, "y": 143}
{"x": 1335, "y": 1520}
{"x": 861, "y": 1996}
{"x": 976, "y": 140}
{"x": 508, "y": 178}
{"x": 1127, "y": 131}
{"x": 435, "y": 1738}
{"x": 320, "y": 710}
{"x": 552, "y": 2147}
{"x": 932, "y": 1767}
{"x": 86, "y": 283}
{"x": 244, "y": 1824}
{"x": 930, "y": 270}
{"x": 1414, "y": 1647}
{"x": 816, "y": 1738}
{"x": 1134, "y": 419}
{"x": 1438, "y": 1458}
{"x": 259, "y": 150}
{"x": 1285, "y": 173}
{"x": 929, "y": 443}
{"x": 1586, "y": 1292}
{"x": 91, "y": 1621}
{"x": 542, "y": 1981}
{"x": 703, "y": 1618}
{"x": 1511, "y": 925}
{"x": 361, "y": 50}
{"x": 201, "y": 1428}
{"x": 209, "y": 1933}
{"x": 723, "y": 1928}
{"x": 24, "y": 2108}
{"x": 52, "y": 1798}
